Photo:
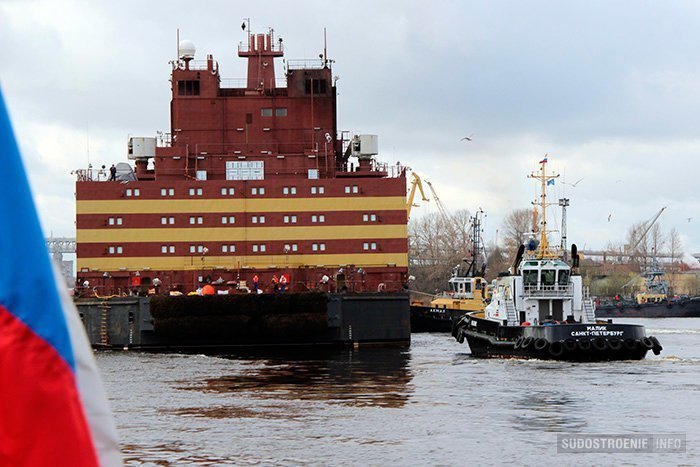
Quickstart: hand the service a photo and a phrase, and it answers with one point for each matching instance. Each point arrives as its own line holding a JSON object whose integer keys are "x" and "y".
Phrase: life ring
{"x": 527, "y": 342}
{"x": 615, "y": 343}
{"x": 570, "y": 345}
{"x": 630, "y": 344}
{"x": 600, "y": 343}
{"x": 556, "y": 349}
{"x": 541, "y": 343}
{"x": 584, "y": 344}
{"x": 647, "y": 343}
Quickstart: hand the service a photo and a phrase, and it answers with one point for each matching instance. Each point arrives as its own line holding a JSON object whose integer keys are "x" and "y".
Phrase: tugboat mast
{"x": 543, "y": 250}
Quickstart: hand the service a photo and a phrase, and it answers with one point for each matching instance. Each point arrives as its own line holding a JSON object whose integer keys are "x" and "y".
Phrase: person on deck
{"x": 283, "y": 283}
{"x": 113, "y": 173}
{"x": 256, "y": 281}
{"x": 275, "y": 283}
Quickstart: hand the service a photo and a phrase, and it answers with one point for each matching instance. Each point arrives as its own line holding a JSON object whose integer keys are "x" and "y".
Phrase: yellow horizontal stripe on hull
{"x": 178, "y": 263}
{"x": 185, "y": 206}
{"x": 233, "y": 234}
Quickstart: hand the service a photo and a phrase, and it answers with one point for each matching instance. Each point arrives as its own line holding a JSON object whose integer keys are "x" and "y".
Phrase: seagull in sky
{"x": 574, "y": 184}
{"x": 468, "y": 138}
{"x": 609, "y": 216}
{"x": 690, "y": 219}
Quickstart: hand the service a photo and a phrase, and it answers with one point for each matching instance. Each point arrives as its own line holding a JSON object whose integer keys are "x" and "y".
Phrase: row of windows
{"x": 199, "y": 220}
{"x": 231, "y": 248}
{"x": 228, "y": 191}
{"x": 279, "y": 112}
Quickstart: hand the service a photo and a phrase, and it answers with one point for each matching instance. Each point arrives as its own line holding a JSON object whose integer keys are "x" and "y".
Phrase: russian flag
{"x": 544, "y": 161}
{"x": 53, "y": 409}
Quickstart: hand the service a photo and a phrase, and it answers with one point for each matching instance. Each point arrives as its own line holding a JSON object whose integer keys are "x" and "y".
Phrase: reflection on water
{"x": 432, "y": 404}
{"x": 368, "y": 377}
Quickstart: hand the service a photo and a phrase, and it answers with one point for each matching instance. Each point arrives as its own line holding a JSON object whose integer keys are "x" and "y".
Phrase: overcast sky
{"x": 609, "y": 89}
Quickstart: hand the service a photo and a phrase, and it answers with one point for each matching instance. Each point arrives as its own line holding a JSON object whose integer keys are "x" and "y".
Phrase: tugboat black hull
{"x": 431, "y": 319}
{"x": 680, "y": 309}
{"x": 568, "y": 342}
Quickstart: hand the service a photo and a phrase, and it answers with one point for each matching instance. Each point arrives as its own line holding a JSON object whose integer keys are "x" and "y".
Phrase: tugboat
{"x": 467, "y": 290}
{"x": 654, "y": 302}
{"x": 542, "y": 310}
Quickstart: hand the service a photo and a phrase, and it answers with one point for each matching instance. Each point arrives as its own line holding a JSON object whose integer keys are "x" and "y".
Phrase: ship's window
{"x": 563, "y": 277}
{"x": 266, "y": 112}
{"x": 223, "y": 192}
{"x": 231, "y": 219}
{"x": 164, "y": 192}
{"x": 365, "y": 246}
{"x": 322, "y": 247}
{"x": 281, "y": 112}
{"x": 171, "y": 191}
{"x": 285, "y": 190}
{"x": 468, "y": 287}
{"x": 530, "y": 277}
{"x": 111, "y": 250}
{"x": 193, "y": 220}
{"x": 374, "y": 246}
{"x": 355, "y": 189}
{"x": 200, "y": 248}
{"x": 321, "y": 190}
{"x": 255, "y": 248}
{"x": 294, "y": 219}
{"x": 224, "y": 219}
{"x": 128, "y": 192}
{"x": 315, "y": 86}
{"x": 262, "y": 248}
{"x": 286, "y": 219}
{"x": 321, "y": 218}
{"x": 314, "y": 247}
{"x": 171, "y": 220}
{"x": 224, "y": 248}
{"x": 164, "y": 249}
{"x": 119, "y": 221}
{"x": 232, "y": 248}
{"x": 294, "y": 247}
{"x": 548, "y": 276}
{"x": 137, "y": 192}
{"x": 313, "y": 190}
{"x": 199, "y": 220}
{"x": 111, "y": 221}
{"x": 231, "y": 191}
{"x": 119, "y": 250}
{"x": 262, "y": 219}
{"x": 373, "y": 217}
{"x": 164, "y": 220}
{"x": 365, "y": 217}
{"x": 314, "y": 218}
{"x": 188, "y": 88}
{"x": 347, "y": 189}
{"x": 253, "y": 191}
{"x": 191, "y": 191}
{"x": 172, "y": 248}
{"x": 261, "y": 191}
{"x": 192, "y": 249}
{"x": 199, "y": 192}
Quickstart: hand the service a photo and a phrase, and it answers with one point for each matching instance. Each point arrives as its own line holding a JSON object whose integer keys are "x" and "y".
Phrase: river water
{"x": 426, "y": 405}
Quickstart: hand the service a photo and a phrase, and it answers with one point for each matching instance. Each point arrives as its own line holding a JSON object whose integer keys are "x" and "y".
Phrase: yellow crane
{"x": 416, "y": 183}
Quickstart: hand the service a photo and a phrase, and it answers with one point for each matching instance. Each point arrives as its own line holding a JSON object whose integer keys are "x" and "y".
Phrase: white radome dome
{"x": 187, "y": 49}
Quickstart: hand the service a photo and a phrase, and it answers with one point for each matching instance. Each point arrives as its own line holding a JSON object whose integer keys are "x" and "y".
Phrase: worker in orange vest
{"x": 283, "y": 282}
{"x": 275, "y": 283}
{"x": 256, "y": 280}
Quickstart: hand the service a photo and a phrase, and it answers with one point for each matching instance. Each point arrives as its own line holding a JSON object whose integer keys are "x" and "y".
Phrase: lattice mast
{"x": 543, "y": 250}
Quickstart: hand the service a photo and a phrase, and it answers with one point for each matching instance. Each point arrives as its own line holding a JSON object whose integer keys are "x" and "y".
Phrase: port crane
{"x": 415, "y": 184}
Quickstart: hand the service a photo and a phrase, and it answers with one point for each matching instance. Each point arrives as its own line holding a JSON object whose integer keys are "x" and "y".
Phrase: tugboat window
{"x": 530, "y": 277}
{"x": 548, "y": 276}
{"x": 563, "y": 277}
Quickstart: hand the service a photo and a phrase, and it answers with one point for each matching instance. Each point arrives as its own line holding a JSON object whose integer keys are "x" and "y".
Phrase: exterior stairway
{"x": 510, "y": 313}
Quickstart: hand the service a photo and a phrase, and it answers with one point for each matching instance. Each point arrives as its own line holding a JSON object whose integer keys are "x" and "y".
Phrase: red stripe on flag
{"x": 41, "y": 417}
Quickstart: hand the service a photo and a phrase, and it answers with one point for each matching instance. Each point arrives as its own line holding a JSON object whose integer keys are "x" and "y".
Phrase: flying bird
{"x": 609, "y": 216}
{"x": 468, "y": 138}
{"x": 574, "y": 184}
{"x": 690, "y": 219}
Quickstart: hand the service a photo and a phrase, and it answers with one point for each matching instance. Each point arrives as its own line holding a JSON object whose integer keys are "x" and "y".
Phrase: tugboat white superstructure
{"x": 542, "y": 310}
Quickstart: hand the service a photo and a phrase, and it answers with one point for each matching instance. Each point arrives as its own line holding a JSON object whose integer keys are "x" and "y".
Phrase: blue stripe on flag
{"x": 27, "y": 283}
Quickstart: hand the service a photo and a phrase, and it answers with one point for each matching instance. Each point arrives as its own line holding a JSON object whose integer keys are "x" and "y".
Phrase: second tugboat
{"x": 542, "y": 310}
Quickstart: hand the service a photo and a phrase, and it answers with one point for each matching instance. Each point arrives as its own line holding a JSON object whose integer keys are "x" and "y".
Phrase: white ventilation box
{"x": 141, "y": 147}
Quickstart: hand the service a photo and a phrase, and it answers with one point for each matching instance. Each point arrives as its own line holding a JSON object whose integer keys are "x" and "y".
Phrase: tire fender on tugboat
{"x": 541, "y": 343}
{"x": 526, "y": 342}
{"x": 556, "y": 349}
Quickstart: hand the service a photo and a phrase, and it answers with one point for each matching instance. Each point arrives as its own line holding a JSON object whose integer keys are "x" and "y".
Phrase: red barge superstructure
{"x": 253, "y": 180}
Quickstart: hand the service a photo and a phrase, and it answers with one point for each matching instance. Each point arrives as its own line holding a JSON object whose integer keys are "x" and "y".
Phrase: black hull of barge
{"x": 217, "y": 323}
{"x": 565, "y": 342}
{"x": 680, "y": 309}
{"x": 429, "y": 319}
